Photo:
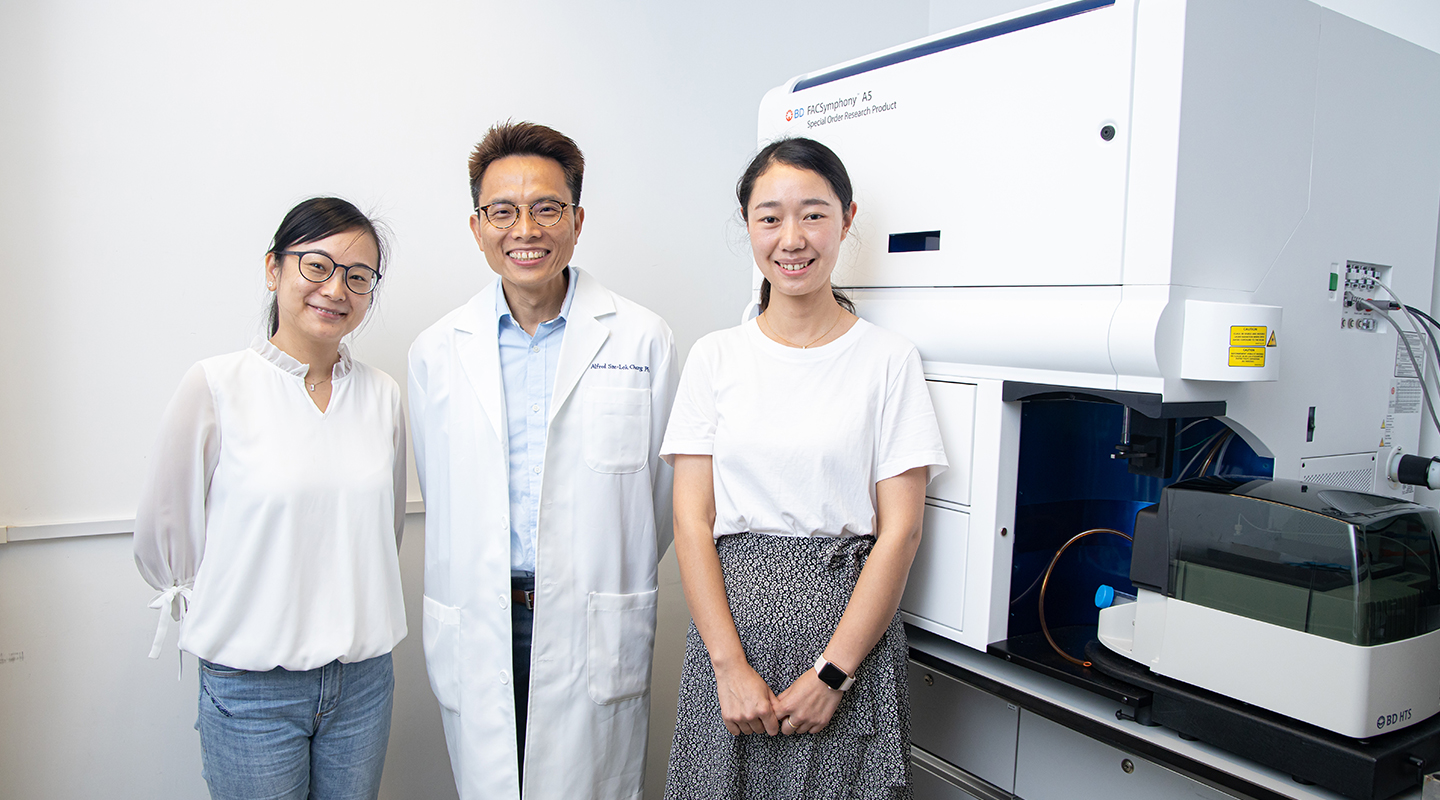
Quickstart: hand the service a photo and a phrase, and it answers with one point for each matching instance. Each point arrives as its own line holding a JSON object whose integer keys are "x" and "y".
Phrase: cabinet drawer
{"x": 970, "y": 728}
{"x": 955, "y": 413}
{"x": 1057, "y": 763}
{"x": 935, "y": 590}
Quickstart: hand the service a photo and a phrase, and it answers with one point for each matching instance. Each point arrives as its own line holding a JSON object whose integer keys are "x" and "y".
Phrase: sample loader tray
{"x": 1363, "y": 769}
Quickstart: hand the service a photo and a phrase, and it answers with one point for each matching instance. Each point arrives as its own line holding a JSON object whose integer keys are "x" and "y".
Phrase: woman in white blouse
{"x": 802, "y": 442}
{"x": 270, "y": 520}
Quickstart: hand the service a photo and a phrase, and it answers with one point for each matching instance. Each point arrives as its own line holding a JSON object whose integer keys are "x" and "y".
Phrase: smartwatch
{"x": 831, "y": 675}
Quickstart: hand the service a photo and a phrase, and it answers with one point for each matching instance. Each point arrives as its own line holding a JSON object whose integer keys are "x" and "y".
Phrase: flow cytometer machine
{"x": 1168, "y": 263}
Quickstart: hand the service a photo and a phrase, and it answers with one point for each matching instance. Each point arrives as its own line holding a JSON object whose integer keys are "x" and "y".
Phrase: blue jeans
{"x": 282, "y": 735}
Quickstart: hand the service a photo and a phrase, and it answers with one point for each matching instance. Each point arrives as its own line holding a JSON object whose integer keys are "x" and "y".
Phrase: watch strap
{"x": 832, "y": 676}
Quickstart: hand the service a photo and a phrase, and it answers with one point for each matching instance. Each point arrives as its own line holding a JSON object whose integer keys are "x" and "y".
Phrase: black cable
{"x": 1423, "y": 316}
{"x": 1433, "y": 324}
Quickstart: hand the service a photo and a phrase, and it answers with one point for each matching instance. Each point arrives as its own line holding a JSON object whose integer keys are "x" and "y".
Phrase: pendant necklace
{"x": 838, "y": 314}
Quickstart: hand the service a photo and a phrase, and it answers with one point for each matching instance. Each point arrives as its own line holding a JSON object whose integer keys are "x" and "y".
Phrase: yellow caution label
{"x": 1247, "y": 356}
{"x": 1248, "y": 335}
{"x": 1271, "y": 343}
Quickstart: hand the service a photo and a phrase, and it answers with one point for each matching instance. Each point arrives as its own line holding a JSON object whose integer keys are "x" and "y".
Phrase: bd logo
{"x": 793, "y": 114}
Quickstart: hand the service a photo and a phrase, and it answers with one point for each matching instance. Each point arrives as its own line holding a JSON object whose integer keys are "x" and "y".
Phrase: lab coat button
{"x": 504, "y": 601}
{"x": 504, "y": 677}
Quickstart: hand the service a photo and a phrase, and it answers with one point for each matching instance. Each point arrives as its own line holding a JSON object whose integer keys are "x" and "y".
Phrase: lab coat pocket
{"x": 441, "y": 637}
{"x": 621, "y": 639}
{"x": 617, "y": 428}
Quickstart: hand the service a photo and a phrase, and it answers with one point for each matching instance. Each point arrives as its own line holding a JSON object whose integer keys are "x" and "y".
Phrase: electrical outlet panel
{"x": 1361, "y": 286}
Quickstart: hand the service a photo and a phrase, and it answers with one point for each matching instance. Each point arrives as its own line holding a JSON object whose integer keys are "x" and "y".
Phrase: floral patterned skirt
{"x": 786, "y": 596}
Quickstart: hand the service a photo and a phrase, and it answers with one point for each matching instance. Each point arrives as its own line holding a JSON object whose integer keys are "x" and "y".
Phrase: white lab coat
{"x": 604, "y": 523}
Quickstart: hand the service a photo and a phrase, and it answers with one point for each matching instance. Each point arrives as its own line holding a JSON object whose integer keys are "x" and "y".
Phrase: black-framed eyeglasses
{"x": 545, "y": 213}
{"x": 317, "y": 267}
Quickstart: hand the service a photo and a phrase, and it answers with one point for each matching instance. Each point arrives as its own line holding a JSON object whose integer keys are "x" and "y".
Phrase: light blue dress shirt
{"x": 527, "y": 375}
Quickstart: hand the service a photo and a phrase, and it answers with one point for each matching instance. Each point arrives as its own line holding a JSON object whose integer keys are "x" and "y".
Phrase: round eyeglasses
{"x": 317, "y": 267}
{"x": 545, "y": 213}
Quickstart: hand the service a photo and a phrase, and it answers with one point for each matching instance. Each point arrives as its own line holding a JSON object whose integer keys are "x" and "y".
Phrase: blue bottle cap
{"x": 1104, "y": 596}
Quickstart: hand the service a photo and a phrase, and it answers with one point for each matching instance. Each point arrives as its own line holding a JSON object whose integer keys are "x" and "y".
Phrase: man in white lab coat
{"x": 538, "y": 408}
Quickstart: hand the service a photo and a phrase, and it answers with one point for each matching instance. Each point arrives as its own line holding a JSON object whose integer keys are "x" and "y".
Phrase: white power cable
{"x": 1409, "y": 351}
{"x": 1419, "y": 327}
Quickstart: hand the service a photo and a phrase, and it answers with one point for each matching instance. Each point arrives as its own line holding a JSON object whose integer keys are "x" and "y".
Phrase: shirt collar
{"x": 502, "y": 308}
{"x": 288, "y": 363}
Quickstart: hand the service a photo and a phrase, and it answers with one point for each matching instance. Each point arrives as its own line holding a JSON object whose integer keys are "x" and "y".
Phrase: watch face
{"x": 832, "y": 676}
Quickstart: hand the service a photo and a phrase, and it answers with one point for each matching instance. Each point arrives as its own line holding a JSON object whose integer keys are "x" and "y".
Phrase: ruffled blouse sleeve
{"x": 170, "y": 517}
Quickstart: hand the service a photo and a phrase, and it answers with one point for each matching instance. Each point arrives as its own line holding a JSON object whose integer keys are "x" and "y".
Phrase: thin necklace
{"x": 838, "y": 314}
{"x": 316, "y": 383}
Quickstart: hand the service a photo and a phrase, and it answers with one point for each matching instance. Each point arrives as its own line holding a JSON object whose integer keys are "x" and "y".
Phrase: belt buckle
{"x": 530, "y": 600}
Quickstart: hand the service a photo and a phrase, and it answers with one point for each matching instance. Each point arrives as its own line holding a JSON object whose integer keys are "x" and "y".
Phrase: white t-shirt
{"x": 799, "y": 438}
{"x": 278, "y": 522}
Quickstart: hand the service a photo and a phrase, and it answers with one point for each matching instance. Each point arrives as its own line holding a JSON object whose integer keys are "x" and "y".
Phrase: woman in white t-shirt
{"x": 270, "y": 521}
{"x": 802, "y": 442}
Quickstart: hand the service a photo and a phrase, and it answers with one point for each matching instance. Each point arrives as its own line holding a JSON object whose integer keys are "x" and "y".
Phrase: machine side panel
{"x": 1374, "y": 198}
{"x": 1246, "y": 124}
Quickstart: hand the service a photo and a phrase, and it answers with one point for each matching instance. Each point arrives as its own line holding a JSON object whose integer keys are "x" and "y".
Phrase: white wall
{"x": 86, "y": 715}
{"x": 149, "y": 149}
{"x": 152, "y": 146}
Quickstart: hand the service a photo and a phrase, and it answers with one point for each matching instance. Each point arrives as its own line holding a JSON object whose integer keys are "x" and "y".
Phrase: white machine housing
{"x": 1157, "y": 197}
{"x": 1314, "y": 602}
{"x": 1351, "y": 690}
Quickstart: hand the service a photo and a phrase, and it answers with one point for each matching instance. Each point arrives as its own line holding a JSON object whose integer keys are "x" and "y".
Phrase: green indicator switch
{"x": 1334, "y": 281}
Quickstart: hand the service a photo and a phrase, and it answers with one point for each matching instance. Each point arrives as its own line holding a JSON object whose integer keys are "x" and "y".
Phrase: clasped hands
{"x": 748, "y": 706}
